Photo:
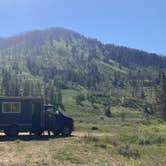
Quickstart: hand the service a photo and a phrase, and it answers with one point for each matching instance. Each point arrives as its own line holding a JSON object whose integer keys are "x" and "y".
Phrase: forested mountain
{"x": 63, "y": 42}
{"x": 132, "y": 57}
{"x": 41, "y": 63}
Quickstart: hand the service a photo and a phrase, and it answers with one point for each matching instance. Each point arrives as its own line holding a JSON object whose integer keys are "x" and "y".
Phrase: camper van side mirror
{"x": 57, "y": 112}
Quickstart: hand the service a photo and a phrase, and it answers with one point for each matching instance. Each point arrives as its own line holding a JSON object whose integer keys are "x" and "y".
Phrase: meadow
{"x": 126, "y": 139}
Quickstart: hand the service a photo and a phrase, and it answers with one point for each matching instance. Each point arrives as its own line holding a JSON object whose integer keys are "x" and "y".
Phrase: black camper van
{"x": 29, "y": 114}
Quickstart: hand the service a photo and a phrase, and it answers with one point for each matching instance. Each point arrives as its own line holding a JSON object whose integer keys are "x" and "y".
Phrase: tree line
{"x": 14, "y": 84}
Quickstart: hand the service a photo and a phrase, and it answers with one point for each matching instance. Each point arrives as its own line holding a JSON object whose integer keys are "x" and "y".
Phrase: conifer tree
{"x": 161, "y": 99}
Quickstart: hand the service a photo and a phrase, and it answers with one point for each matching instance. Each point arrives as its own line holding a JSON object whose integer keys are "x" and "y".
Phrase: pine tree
{"x": 107, "y": 106}
{"x": 52, "y": 94}
{"x": 5, "y": 86}
{"x": 26, "y": 88}
{"x": 162, "y": 97}
{"x": 59, "y": 100}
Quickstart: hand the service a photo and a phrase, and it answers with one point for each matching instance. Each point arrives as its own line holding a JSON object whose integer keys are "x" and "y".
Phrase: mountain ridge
{"x": 52, "y": 36}
{"x": 60, "y": 29}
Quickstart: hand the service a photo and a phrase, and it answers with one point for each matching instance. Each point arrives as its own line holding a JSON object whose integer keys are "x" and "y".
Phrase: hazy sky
{"x": 134, "y": 23}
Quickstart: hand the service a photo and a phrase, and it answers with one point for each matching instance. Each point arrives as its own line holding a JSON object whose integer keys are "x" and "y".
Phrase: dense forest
{"x": 43, "y": 63}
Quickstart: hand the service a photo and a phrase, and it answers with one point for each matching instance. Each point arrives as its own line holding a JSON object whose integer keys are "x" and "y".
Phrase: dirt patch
{"x": 82, "y": 134}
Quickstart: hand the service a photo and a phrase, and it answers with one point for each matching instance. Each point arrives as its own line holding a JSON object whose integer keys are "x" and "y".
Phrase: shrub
{"x": 127, "y": 151}
{"x": 101, "y": 118}
{"x": 94, "y": 128}
{"x": 101, "y": 145}
{"x": 90, "y": 139}
{"x": 149, "y": 137}
{"x": 79, "y": 98}
{"x": 107, "y": 111}
{"x": 122, "y": 115}
{"x": 132, "y": 103}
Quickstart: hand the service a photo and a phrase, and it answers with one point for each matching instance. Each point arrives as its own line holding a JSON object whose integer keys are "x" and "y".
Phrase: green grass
{"x": 108, "y": 145}
{"x": 97, "y": 140}
{"x": 87, "y": 113}
{"x": 126, "y": 139}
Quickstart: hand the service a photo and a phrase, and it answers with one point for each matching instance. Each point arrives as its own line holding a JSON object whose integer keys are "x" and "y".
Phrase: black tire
{"x": 12, "y": 131}
{"x": 56, "y": 133}
{"x": 38, "y": 133}
{"x": 66, "y": 131}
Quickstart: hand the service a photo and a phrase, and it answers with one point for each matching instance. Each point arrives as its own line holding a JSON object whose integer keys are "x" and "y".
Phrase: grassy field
{"x": 90, "y": 145}
{"x": 97, "y": 140}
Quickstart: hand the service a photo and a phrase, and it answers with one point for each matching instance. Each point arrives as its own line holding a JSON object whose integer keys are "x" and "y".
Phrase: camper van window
{"x": 11, "y": 107}
{"x": 16, "y": 107}
{"x": 6, "y": 108}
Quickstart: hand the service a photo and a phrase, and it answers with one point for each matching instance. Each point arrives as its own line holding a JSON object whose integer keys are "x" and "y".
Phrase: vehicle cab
{"x": 57, "y": 122}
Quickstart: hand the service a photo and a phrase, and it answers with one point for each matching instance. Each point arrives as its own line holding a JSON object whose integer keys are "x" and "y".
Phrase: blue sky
{"x": 138, "y": 24}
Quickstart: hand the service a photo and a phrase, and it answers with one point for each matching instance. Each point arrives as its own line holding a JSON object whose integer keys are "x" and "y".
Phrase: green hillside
{"x": 47, "y": 62}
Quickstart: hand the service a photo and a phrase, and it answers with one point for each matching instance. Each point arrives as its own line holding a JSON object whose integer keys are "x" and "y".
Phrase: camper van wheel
{"x": 12, "y": 131}
{"x": 38, "y": 133}
{"x": 66, "y": 131}
{"x": 56, "y": 133}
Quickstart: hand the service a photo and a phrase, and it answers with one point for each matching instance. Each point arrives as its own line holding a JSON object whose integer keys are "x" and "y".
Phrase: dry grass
{"x": 61, "y": 151}
{"x": 83, "y": 148}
